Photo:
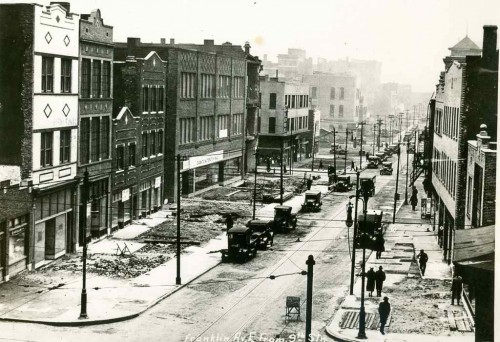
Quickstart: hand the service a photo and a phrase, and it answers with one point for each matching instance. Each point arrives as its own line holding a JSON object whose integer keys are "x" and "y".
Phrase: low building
{"x": 284, "y": 121}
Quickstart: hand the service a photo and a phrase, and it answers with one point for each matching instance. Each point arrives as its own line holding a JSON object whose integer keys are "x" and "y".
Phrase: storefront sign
{"x": 157, "y": 182}
{"x": 125, "y": 195}
{"x": 207, "y": 159}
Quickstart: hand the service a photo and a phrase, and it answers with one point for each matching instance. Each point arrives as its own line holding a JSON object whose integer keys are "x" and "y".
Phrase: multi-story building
{"x": 283, "y": 121}
{"x": 95, "y": 107}
{"x": 481, "y": 181}
{"x": 139, "y": 92}
{"x": 206, "y": 113}
{"x": 466, "y": 97}
{"x": 290, "y": 66}
{"x": 39, "y": 49}
{"x": 337, "y": 97}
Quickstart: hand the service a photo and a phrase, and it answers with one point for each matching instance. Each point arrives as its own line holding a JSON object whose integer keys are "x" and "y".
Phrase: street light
{"x": 390, "y": 128}
{"x": 396, "y": 195}
{"x": 85, "y": 199}
{"x": 355, "y": 232}
{"x": 407, "y": 162}
{"x": 255, "y": 184}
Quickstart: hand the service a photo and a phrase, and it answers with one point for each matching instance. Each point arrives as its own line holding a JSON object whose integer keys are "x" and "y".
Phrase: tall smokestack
{"x": 489, "y": 45}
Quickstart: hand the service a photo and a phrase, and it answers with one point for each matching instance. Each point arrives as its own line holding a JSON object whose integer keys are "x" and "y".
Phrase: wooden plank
{"x": 451, "y": 320}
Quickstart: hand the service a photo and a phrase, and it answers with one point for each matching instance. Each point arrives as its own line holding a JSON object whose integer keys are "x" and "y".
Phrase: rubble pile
{"x": 129, "y": 267}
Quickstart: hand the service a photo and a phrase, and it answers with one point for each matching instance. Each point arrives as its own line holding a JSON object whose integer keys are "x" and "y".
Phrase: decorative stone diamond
{"x": 58, "y": 19}
{"x": 67, "y": 40}
{"x": 48, "y": 37}
{"x": 47, "y": 110}
{"x": 66, "y": 110}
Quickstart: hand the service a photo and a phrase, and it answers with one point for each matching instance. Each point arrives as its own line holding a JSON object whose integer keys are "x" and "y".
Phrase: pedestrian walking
{"x": 268, "y": 165}
{"x": 321, "y": 164}
{"x": 367, "y": 155}
{"x": 414, "y": 198}
{"x": 309, "y": 183}
{"x": 422, "y": 260}
{"x": 229, "y": 222}
{"x": 370, "y": 281}
{"x": 379, "y": 280}
{"x": 284, "y": 168}
{"x": 384, "y": 309}
{"x": 352, "y": 165}
{"x": 379, "y": 245}
{"x": 456, "y": 290}
{"x": 440, "y": 236}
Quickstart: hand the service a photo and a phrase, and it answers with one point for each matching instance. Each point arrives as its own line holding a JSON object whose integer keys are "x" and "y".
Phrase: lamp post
{"x": 85, "y": 199}
{"x": 345, "y": 155}
{"x": 400, "y": 126}
{"x": 407, "y": 162}
{"x": 178, "y": 279}
{"x": 362, "y": 123}
{"x": 355, "y": 232}
{"x": 334, "y": 150}
{"x": 255, "y": 185}
{"x": 374, "y": 138}
{"x": 390, "y": 128}
{"x": 396, "y": 195}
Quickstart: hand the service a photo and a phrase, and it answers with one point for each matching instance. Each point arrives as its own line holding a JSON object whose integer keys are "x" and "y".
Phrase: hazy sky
{"x": 410, "y": 37}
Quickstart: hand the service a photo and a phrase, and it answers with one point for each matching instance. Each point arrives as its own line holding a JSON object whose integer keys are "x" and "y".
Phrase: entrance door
{"x": 120, "y": 214}
{"x": 50, "y": 238}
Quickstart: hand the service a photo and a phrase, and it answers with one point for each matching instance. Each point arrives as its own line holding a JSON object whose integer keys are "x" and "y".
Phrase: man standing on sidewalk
{"x": 384, "y": 309}
{"x": 422, "y": 260}
{"x": 379, "y": 280}
{"x": 456, "y": 290}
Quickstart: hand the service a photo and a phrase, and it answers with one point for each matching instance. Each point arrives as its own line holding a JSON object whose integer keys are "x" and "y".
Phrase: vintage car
{"x": 284, "y": 219}
{"x": 382, "y": 157}
{"x": 373, "y": 162}
{"x": 367, "y": 183}
{"x": 343, "y": 184}
{"x": 312, "y": 201}
{"x": 241, "y": 244}
{"x": 367, "y": 227}
{"x": 386, "y": 169}
{"x": 394, "y": 148}
{"x": 262, "y": 231}
{"x": 334, "y": 149}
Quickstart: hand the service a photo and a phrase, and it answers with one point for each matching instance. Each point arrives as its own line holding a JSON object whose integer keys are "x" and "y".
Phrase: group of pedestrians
{"x": 375, "y": 280}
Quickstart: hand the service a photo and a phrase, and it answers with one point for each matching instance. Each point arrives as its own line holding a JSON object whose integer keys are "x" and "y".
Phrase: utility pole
{"x": 310, "y": 265}
{"x": 374, "y": 138}
{"x": 362, "y": 123}
{"x": 407, "y": 122}
{"x": 85, "y": 200}
{"x": 396, "y": 195}
{"x": 255, "y": 186}
{"x": 334, "y": 151}
{"x": 345, "y": 155}
{"x": 379, "y": 123}
{"x": 313, "y": 143}
{"x": 390, "y": 128}
{"x": 407, "y": 162}
{"x": 178, "y": 277}
{"x": 281, "y": 174}
{"x": 401, "y": 126}
{"x": 355, "y": 232}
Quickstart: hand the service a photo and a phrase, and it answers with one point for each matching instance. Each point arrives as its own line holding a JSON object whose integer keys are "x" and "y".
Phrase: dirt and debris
{"x": 129, "y": 267}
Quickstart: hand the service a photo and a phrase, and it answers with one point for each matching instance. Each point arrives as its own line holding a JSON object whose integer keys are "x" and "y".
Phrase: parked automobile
{"x": 343, "y": 184}
{"x": 241, "y": 245}
{"x": 373, "y": 162}
{"x": 312, "y": 201}
{"x": 370, "y": 183}
{"x": 334, "y": 149}
{"x": 386, "y": 168}
{"x": 262, "y": 231}
{"x": 382, "y": 157}
{"x": 284, "y": 219}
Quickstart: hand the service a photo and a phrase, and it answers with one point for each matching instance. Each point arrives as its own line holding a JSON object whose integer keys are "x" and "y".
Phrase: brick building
{"x": 338, "y": 98}
{"x": 466, "y": 96}
{"x": 481, "y": 181}
{"x": 206, "y": 117}
{"x": 283, "y": 121}
{"x": 39, "y": 49}
{"x": 138, "y": 152}
{"x": 95, "y": 106}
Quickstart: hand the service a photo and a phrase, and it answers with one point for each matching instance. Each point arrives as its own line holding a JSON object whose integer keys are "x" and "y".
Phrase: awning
{"x": 474, "y": 243}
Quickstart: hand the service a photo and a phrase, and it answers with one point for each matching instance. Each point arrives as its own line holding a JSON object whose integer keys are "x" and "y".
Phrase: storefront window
{"x": 232, "y": 168}
{"x": 17, "y": 249}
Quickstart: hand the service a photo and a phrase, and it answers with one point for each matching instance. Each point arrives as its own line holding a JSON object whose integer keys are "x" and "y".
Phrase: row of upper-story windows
{"x": 94, "y": 139}
{"x": 153, "y": 99}
{"x": 294, "y": 101}
{"x": 226, "y": 125}
{"x": 445, "y": 169}
{"x": 47, "y": 147}
{"x": 297, "y": 123}
{"x": 207, "y": 86}
{"x": 340, "y": 111}
{"x": 152, "y": 146}
{"x": 333, "y": 93}
{"x": 48, "y": 74}
{"x": 447, "y": 121}
{"x": 95, "y": 79}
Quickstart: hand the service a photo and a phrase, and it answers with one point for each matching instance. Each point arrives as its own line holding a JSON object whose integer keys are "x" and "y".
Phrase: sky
{"x": 409, "y": 37}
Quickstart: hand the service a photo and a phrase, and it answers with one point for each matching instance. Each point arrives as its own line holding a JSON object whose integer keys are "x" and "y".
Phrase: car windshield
{"x": 281, "y": 214}
{"x": 238, "y": 239}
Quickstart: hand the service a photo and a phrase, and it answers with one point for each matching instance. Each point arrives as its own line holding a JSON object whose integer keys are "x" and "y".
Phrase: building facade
{"x": 284, "y": 121}
{"x": 39, "y": 95}
{"x": 95, "y": 107}
{"x": 139, "y": 84}
{"x": 466, "y": 96}
{"x": 338, "y": 98}
{"x": 206, "y": 91}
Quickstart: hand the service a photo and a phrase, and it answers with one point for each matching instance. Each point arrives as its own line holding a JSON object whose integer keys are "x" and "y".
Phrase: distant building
{"x": 466, "y": 97}
{"x": 284, "y": 121}
{"x": 290, "y": 66}
{"x": 139, "y": 92}
{"x": 338, "y": 98}
{"x": 39, "y": 63}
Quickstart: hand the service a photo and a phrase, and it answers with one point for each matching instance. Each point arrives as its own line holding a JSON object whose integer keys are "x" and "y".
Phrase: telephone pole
{"x": 362, "y": 123}
{"x": 178, "y": 214}
{"x": 310, "y": 265}
{"x": 379, "y": 123}
{"x": 85, "y": 200}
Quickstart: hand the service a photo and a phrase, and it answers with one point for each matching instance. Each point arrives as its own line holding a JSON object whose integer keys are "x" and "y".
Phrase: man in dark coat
{"x": 379, "y": 245}
{"x": 422, "y": 260}
{"x": 414, "y": 198}
{"x": 309, "y": 183}
{"x": 229, "y": 222}
{"x": 321, "y": 164}
{"x": 370, "y": 281}
{"x": 379, "y": 280}
{"x": 456, "y": 290}
{"x": 384, "y": 309}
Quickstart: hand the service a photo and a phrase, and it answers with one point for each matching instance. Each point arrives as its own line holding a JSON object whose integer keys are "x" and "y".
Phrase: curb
{"x": 83, "y": 322}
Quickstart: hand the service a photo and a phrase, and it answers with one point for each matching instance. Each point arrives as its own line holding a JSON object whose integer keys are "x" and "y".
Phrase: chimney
{"x": 490, "y": 46}
{"x": 208, "y": 42}
{"x": 66, "y": 5}
{"x": 132, "y": 43}
{"x": 247, "y": 48}
{"x": 483, "y": 139}
{"x": 163, "y": 41}
{"x": 172, "y": 41}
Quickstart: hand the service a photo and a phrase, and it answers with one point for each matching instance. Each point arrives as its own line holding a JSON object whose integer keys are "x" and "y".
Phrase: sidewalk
{"x": 111, "y": 299}
{"x": 421, "y": 306}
